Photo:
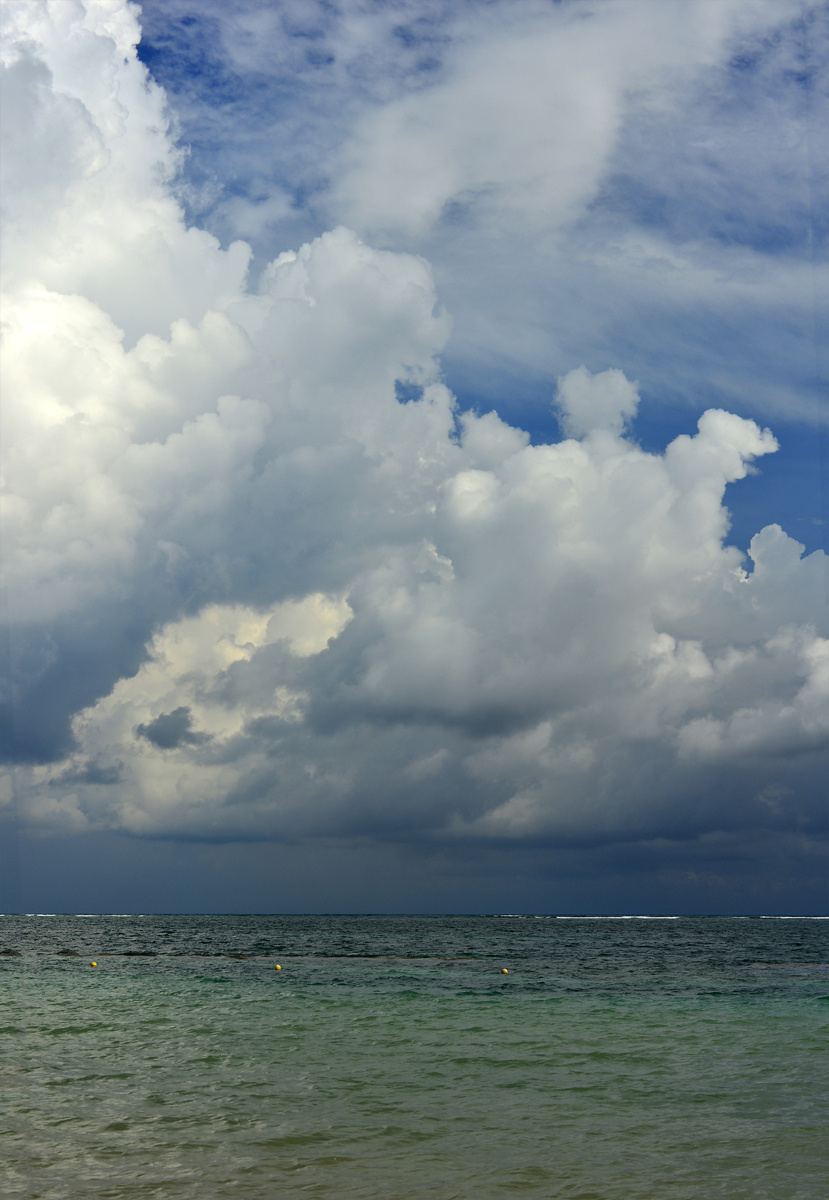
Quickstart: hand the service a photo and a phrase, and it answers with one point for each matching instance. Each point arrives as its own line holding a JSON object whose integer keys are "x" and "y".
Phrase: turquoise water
{"x": 391, "y": 1058}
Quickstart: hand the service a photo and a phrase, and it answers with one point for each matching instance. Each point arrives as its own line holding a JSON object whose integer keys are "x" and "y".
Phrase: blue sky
{"x": 416, "y": 455}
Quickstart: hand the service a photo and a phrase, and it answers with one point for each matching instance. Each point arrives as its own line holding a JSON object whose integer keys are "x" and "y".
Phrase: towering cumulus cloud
{"x": 265, "y": 580}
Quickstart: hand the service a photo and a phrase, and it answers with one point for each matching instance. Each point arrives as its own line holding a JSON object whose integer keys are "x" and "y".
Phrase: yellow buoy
{"x": 93, "y": 964}
{"x": 277, "y": 967}
{"x": 504, "y": 971}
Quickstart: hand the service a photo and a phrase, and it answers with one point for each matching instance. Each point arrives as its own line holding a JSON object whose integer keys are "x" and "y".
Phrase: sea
{"x": 403, "y": 1057}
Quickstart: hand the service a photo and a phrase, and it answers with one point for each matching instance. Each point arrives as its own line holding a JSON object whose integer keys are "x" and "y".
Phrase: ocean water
{"x": 618, "y": 1059}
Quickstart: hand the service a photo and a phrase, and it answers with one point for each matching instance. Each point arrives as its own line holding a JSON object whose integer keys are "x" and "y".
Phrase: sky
{"x": 414, "y": 450}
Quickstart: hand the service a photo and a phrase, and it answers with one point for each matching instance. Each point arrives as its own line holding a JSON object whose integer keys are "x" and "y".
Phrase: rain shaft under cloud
{"x": 265, "y": 580}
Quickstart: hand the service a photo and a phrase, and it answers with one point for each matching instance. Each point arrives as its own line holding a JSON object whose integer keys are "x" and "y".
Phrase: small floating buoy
{"x": 93, "y": 964}
{"x": 504, "y": 971}
{"x": 277, "y": 967}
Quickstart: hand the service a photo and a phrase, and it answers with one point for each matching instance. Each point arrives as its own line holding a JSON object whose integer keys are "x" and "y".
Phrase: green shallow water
{"x": 621, "y": 1060}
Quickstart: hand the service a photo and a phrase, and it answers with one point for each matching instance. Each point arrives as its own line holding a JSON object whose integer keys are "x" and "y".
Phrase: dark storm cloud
{"x": 172, "y": 729}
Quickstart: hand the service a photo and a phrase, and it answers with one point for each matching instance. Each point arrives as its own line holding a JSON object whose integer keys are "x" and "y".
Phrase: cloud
{"x": 172, "y": 729}
{"x": 523, "y": 120}
{"x": 631, "y": 185}
{"x": 265, "y": 580}
{"x": 605, "y": 401}
{"x": 87, "y": 162}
